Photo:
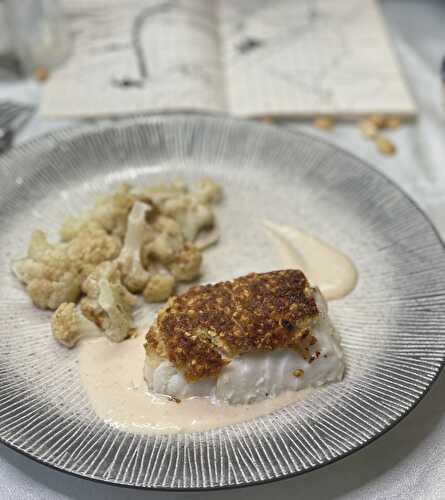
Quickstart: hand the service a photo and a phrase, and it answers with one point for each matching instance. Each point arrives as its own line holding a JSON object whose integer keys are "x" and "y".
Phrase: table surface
{"x": 408, "y": 461}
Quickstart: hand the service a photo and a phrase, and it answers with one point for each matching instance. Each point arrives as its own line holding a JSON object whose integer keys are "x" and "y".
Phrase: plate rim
{"x": 62, "y": 133}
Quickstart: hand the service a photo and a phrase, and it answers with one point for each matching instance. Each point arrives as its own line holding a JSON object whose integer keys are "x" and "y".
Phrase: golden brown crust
{"x": 200, "y": 330}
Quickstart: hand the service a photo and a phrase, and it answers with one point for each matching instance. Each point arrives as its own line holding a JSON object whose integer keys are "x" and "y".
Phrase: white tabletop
{"x": 407, "y": 462}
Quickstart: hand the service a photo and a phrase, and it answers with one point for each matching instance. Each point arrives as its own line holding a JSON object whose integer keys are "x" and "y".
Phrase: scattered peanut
{"x": 392, "y": 122}
{"x": 298, "y": 372}
{"x": 41, "y": 74}
{"x": 385, "y": 145}
{"x": 323, "y": 122}
{"x": 368, "y": 129}
{"x": 267, "y": 119}
{"x": 377, "y": 119}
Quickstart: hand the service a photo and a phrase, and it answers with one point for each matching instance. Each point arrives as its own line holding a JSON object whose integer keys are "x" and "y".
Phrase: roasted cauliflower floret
{"x": 190, "y": 214}
{"x": 53, "y": 273}
{"x": 110, "y": 270}
{"x": 187, "y": 263}
{"x": 164, "y": 224}
{"x": 92, "y": 246}
{"x": 69, "y": 325}
{"x": 139, "y": 240}
{"x": 167, "y": 244}
{"x": 160, "y": 192}
{"x": 110, "y": 213}
{"x": 134, "y": 276}
{"x": 108, "y": 303}
{"x": 206, "y": 239}
{"x": 72, "y": 226}
{"x": 159, "y": 287}
{"x": 50, "y": 275}
{"x": 208, "y": 191}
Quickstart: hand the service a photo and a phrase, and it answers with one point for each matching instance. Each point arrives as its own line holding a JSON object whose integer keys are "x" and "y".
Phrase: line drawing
{"x": 142, "y": 57}
{"x": 138, "y": 24}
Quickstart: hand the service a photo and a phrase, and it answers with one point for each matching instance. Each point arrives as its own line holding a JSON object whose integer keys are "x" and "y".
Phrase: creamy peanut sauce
{"x": 112, "y": 373}
{"x": 324, "y": 266}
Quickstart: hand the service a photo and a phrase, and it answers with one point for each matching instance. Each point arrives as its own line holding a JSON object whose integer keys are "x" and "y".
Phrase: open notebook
{"x": 245, "y": 57}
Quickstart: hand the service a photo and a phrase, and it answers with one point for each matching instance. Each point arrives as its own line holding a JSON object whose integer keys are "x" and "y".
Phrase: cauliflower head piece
{"x": 159, "y": 287}
{"x": 90, "y": 247}
{"x": 134, "y": 275}
{"x": 108, "y": 303}
{"x": 190, "y": 214}
{"x": 69, "y": 325}
{"x": 208, "y": 191}
{"x": 187, "y": 264}
{"x": 161, "y": 192}
{"x": 49, "y": 274}
{"x": 53, "y": 273}
{"x": 110, "y": 213}
{"x": 131, "y": 241}
{"x": 167, "y": 242}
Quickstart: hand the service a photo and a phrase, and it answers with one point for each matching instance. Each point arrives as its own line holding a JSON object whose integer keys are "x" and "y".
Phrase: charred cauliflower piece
{"x": 92, "y": 246}
{"x": 187, "y": 263}
{"x": 159, "y": 287}
{"x": 133, "y": 240}
{"x": 108, "y": 303}
{"x": 168, "y": 242}
{"x": 53, "y": 273}
{"x": 134, "y": 275}
{"x": 69, "y": 325}
{"x": 208, "y": 191}
{"x": 190, "y": 214}
{"x": 111, "y": 272}
{"x": 110, "y": 213}
{"x": 161, "y": 192}
{"x": 50, "y": 276}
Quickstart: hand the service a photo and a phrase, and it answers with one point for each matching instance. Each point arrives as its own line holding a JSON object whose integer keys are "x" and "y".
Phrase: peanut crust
{"x": 202, "y": 329}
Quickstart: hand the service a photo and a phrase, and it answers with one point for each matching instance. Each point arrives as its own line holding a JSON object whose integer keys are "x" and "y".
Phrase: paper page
{"x": 309, "y": 57}
{"x": 137, "y": 55}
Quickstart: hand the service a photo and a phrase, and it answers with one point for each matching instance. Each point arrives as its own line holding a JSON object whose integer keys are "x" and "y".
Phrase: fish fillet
{"x": 243, "y": 341}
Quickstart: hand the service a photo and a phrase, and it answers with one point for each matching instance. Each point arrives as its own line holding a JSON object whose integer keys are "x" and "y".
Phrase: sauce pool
{"x": 324, "y": 266}
{"x": 112, "y": 373}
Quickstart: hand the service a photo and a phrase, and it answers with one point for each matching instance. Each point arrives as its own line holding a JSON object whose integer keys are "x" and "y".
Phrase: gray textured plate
{"x": 392, "y": 326}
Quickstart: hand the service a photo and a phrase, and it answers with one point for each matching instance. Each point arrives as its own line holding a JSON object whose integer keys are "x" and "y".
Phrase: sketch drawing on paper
{"x": 249, "y": 57}
{"x": 141, "y": 19}
{"x": 152, "y": 16}
{"x": 322, "y": 55}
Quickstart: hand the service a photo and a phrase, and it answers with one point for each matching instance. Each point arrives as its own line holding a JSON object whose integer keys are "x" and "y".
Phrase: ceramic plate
{"x": 392, "y": 325}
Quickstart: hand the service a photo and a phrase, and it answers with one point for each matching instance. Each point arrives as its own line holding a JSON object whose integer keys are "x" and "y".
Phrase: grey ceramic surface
{"x": 392, "y": 325}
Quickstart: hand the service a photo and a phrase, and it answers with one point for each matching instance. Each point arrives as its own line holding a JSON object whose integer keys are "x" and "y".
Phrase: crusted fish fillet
{"x": 243, "y": 340}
